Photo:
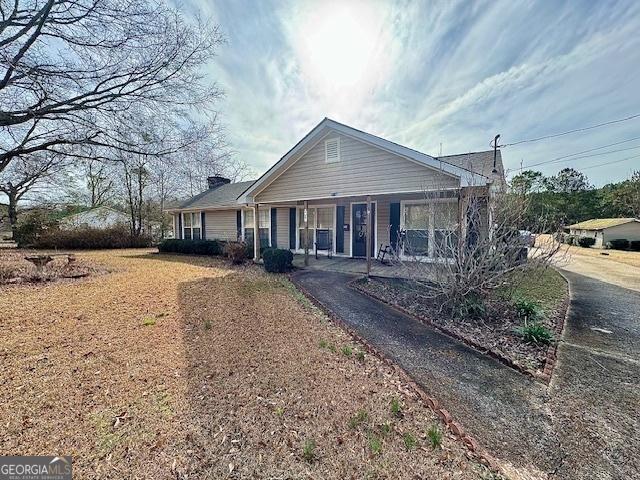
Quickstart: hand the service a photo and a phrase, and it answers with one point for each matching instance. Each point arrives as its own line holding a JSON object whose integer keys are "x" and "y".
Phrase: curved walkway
{"x": 581, "y": 427}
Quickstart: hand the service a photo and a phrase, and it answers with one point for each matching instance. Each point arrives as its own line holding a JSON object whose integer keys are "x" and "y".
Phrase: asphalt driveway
{"x": 585, "y": 425}
{"x": 595, "y": 389}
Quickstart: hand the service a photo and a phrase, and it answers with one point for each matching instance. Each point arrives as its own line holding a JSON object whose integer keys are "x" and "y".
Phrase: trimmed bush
{"x": 91, "y": 238}
{"x": 634, "y": 245}
{"x": 618, "y": 244}
{"x": 586, "y": 242}
{"x": 236, "y": 252}
{"x": 191, "y": 247}
{"x": 277, "y": 260}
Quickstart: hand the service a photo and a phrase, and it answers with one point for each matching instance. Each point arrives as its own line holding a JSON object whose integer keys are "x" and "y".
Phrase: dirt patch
{"x": 16, "y": 269}
{"x": 181, "y": 366}
{"x": 498, "y": 333}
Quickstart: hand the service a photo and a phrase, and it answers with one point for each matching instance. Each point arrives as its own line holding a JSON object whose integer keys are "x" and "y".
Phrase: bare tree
{"x": 25, "y": 175}
{"x": 472, "y": 246}
{"x": 68, "y": 66}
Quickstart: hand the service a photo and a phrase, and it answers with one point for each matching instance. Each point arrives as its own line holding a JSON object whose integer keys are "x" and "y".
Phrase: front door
{"x": 359, "y": 225}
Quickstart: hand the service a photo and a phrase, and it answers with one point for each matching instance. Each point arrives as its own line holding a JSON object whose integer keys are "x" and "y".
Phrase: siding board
{"x": 362, "y": 170}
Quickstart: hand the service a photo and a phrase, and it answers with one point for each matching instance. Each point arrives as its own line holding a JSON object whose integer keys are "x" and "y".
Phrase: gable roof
{"x": 602, "y": 223}
{"x": 222, "y": 196}
{"x": 479, "y": 162}
{"x": 455, "y": 167}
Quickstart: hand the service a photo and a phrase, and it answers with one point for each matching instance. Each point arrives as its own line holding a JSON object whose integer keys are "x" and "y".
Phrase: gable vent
{"x": 332, "y": 150}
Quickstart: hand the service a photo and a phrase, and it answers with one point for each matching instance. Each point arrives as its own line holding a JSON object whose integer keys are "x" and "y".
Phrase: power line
{"x": 610, "y": 163}
{"x": 584, "y": 129}
{"x": 572, "y": 157}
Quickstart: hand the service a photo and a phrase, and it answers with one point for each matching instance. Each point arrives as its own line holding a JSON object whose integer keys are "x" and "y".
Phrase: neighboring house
{"x": 606, "y": 229}
{"x": 98, "y": 217}
{"x": 327, "y": 180}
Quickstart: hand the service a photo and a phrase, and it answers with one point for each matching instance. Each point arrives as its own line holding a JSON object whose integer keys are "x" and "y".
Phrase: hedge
{"x": 277, "y": 260}
{"x": 618, "y": 244}
{"x": 91, "y": 238}
{"x": 634, "y": 245}
{"x": 193, "y": 247}
{"x": 586, "y": 241}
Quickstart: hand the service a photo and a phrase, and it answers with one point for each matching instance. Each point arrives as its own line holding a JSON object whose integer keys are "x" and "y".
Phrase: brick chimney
{"x": 216, "y": 181}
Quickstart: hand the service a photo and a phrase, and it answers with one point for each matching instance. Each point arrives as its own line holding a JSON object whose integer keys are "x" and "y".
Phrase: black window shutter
{"x": 292, "y": 228}
{"x": 274, "y": 227}
{"x": 179, "y": 235}
{"x": 203, "y": 226}
{"x": 340, "y": 229}
{"x": 394, "y": 223}
{"x": 239, "y": 224}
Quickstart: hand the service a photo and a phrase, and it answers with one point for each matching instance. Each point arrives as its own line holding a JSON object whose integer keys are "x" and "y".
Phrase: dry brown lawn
{"x": 619, "y": 256}
{"x": 181, "y": 367}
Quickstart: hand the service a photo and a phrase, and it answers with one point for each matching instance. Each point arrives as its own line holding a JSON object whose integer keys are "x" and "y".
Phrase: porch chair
{"x": 324, "y": 241}
{"x": 383, "y": 251}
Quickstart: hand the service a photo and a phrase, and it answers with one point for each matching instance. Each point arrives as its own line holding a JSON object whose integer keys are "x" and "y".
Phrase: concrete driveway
{"x": 585, "y": 425}
{"x": 603, "y": 265}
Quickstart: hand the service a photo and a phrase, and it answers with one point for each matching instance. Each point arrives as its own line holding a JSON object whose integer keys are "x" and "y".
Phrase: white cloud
{"x": 422, "y": 74}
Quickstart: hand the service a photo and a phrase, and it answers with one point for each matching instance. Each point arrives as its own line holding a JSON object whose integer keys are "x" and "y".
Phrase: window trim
{"x": 326, "y": 157}
{"x": 300, "y": 213}
{"x": 243, "y": 218}
{"x": 431, "y": 226}
{"x": 192, "y": 214}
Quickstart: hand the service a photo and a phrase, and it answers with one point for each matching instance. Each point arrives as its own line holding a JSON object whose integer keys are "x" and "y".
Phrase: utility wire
{"x": 631, "y": 117}
{"x": 610, "y": 163}
{"x": 572, "y": 157}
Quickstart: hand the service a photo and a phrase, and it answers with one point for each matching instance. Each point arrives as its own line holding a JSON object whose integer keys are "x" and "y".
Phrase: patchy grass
{"x": 82, "y": 374}
{"x": 545, "y": 288}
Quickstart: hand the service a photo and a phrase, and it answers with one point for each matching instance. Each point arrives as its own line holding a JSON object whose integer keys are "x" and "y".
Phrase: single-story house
{"x": 606, "y": 229}
{"x": 106, "y": 217}
{"x": 338, "y": 186}
{"x": 98, "y": 217}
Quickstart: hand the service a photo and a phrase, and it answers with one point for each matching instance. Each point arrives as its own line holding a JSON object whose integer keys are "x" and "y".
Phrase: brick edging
{"x": 478, "y": 452}
{"x": 544, "y": 377}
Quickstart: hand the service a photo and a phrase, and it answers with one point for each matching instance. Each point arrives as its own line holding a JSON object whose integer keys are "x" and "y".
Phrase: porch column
{"x": 369, "y": 233}
{"x": 256, "y": 234}
{"x": 305, "y": 216}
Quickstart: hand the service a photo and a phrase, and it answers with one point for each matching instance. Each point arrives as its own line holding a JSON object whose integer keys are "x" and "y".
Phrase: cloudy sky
{"x": 434, "y": 75}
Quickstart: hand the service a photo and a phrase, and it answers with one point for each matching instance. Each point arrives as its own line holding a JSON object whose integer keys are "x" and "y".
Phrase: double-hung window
{"x": 192, "y": 229}
{"x": 248, "y": 225}
{"x": 445, "y": 229}
{"x": 264, "y": 226}
{"x": 311, "y": 219}
{"x": 416, "y": 226}
{"x": 431, "y": 228}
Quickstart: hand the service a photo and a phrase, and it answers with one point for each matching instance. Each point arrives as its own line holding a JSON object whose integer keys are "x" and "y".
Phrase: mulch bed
{"x": 177, "y": 367}
{"x": 495, "y": 335}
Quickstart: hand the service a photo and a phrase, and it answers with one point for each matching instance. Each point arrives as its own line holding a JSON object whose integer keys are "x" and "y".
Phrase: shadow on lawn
{"x": 226, "y": 373}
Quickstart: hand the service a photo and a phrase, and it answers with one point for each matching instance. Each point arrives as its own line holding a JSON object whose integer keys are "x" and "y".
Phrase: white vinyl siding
{"x": 221, "y": 225}
{"x": 282, "y": 227}
{"x": 362, "y": 170}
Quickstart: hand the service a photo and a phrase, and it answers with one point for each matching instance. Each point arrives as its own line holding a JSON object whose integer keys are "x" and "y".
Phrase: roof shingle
{"x": 601, "y": 223}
